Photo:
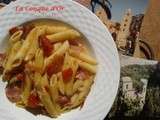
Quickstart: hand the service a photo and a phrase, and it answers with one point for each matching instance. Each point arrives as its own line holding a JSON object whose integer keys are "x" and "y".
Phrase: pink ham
{"x": 13, "y": 93}
{"x": 82, "y": 74}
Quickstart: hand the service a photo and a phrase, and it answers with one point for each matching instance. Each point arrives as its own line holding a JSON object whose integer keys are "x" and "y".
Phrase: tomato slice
{"x": 55, "y": 66}
{"x": 26, "y": 30}
{"x": 46, "y": 45}
{"x": 67, "y": 75}
{"x": 13, "y": 30}
{"x": 20, "y": 77}
{"x": 33, "y": 100}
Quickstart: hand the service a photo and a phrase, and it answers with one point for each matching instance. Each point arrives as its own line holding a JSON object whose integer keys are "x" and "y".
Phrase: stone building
{"x": 124, "y": 30}
{"x": 130, "y": 92}
{"x": 112, "y": 26}
{"x": 127, "y": 87}
{"x": 150, "y": 30}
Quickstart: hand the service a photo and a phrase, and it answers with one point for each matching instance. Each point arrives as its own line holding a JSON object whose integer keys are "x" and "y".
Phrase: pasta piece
{"x": 69, "y": 86}
{"x": 83, "y": 56}
{"x": 57, "y": 46}
{"x": 61, "y": 84}
{"x": 34, "y": 43}
{"x": 77, "y": 85}
{"x": 70, "y": 63}
{"x": 26, "y": 45}
{"x": 61, "y": 51}
{"x": 37, "y": 80}
{"x": 47, "y": 102}
{"x": 53, "y": 79}
{"x": 9, "y": 63}
{"x": 86, "y": 66}
{"x": 83, "y": 93}
{"x": 27, "y": 90}
{"x": 39, "y": 60}
{"x": 53, "y": 89}
{"x": 15, "y": 37}
{"x": 55, "y": 29}
{"x": 67, "y": 61}
{"x": 65, "y": 35}
{"x": 74, "y": 98}
{"x": 44, "y": 81}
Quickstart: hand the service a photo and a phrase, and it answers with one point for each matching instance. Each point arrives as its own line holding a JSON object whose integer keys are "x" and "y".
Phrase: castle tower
{"x": 137, "y": 52}
{"x": 124, "y": 30}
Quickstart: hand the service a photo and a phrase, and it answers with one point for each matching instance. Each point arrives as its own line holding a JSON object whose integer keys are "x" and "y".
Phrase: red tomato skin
{"x": 20, "y": 77}
{"x": 26, "y": 30}
{"x": 13, "y": 30}
{"x": 55, "y": 66}
{"x": 46, "y": 45}
{"x": 33, "y": 101}
{"x": 67, "y": 75}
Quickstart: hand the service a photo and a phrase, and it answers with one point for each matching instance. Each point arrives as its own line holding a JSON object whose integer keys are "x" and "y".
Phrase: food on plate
{"x": 47, "y": 66}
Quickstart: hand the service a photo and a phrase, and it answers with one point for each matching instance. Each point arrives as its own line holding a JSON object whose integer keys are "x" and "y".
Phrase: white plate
{"x": 103, "y": 92}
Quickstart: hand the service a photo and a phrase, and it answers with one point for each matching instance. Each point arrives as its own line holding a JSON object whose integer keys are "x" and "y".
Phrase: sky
{"x": 119, "y": 7}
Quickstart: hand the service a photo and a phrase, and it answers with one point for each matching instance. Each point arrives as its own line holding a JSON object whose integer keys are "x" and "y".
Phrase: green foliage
{"x": 125, "y": 107}
{"x": 137, "y": 72}
{"x": 152, "y": 105}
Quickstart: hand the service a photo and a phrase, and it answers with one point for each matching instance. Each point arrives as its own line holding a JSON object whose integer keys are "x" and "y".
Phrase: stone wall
{"x": 150, "y": 30}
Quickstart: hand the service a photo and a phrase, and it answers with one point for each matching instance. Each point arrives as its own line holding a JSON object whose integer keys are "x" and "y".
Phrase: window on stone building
{"x": 127, "y": 87}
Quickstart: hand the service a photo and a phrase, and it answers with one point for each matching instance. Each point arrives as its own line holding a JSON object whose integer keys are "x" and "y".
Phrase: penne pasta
{"x": 37, "y": 80}
{"x": 70, "y": 63}
{"x": 44, "y": 81}
{"x": 34, "y": 43}
{"x": 47, "y": 102}
{"x": 55, "y": 29}
{"x": 83, "y": 56}
{"x": 86, "y": 66}
{"x": 27, "y": 89}
{"x": 61, "y": 51}
{"x": 78, "y": 84}
{"x": 57, "y": 46}
{"x": 10, "y": 63}
{"x": 65, "y": 35}
{"x": 53, "y": 90}
{"x": 39, "y": 60}
{"x": 25, "y": 46}
{"x": 15, "y": 37}
{"x": 61, "y": 85}
{"x": 52, "y": 68}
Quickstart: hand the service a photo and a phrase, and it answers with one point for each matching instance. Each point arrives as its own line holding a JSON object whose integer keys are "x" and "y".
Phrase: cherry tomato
{"x": 33, "y": 101}
{"x": 67, "y": 74}
{"x": 13, "y": 30}
{"x": 26, "y": 30}
{"x": 55, "y": 66}
{"x": 46, "y": 45}
{"x": 20, "y": 77}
